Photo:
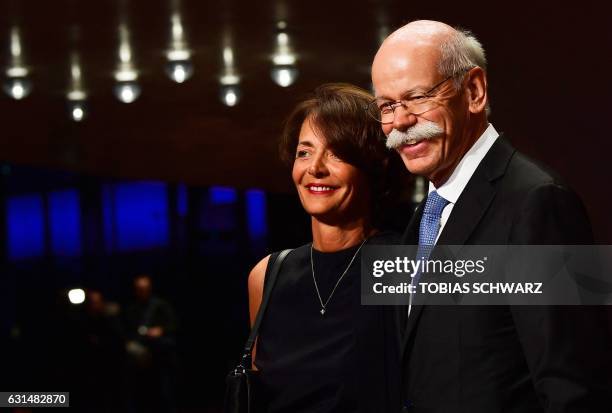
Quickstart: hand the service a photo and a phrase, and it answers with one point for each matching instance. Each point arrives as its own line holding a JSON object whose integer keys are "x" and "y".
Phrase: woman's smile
{"x": 321, "y": 189}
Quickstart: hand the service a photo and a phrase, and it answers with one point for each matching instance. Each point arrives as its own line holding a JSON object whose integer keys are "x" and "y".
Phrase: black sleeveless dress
{"x": 344, "y": 361}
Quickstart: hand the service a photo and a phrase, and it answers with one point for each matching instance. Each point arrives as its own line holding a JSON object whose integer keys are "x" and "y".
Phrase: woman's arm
{"x": 256, "y": 284}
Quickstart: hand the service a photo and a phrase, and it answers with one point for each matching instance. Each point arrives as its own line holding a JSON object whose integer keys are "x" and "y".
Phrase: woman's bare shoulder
{"x": 257, "y": 275}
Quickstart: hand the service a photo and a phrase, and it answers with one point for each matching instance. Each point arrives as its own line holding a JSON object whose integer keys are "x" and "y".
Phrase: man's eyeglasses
{"x": 384, "y": 111}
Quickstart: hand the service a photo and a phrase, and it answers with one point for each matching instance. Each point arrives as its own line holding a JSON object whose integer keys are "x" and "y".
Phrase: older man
{"x": 431, "y": 99}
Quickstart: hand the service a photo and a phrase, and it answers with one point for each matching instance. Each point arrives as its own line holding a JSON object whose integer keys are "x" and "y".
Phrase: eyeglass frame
{"x": 395, "y": 104}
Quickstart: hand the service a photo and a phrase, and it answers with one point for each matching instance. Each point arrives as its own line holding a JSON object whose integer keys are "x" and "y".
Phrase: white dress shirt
{"x": 454, "y": 186}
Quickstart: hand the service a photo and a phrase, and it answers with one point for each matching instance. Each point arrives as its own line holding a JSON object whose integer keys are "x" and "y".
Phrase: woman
{"x": 318, "y": 349}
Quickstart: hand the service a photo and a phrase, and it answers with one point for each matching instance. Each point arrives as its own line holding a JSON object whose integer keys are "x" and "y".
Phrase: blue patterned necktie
{"x": 428, "y": 230}
{"x": 430, "y": 223}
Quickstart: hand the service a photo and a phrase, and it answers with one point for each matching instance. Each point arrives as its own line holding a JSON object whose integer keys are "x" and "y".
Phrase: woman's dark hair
{"x": 337, "y": 112}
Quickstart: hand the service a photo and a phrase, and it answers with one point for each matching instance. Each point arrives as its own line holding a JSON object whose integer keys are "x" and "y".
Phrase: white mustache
{"x": 414, "y": 134}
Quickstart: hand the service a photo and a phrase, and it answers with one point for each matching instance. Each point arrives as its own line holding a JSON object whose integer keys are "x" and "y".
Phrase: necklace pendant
{"x": 314, "y": 279}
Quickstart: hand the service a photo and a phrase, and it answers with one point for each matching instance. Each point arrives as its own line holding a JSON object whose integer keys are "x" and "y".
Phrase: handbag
{"x": 239, "y": 391}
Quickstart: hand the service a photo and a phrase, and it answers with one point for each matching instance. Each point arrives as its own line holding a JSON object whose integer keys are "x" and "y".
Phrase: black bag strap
{"x": 248, "y": 347}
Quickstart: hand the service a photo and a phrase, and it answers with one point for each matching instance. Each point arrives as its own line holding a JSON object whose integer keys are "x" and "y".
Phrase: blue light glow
{"x": 65, "y": 222}
{"x": 256, "y": 213}
{"x": 25, "y": 226}
{"x": 136, "y": 215}
{"x": 220, "y": 195}
{"x": 219, "y": 210}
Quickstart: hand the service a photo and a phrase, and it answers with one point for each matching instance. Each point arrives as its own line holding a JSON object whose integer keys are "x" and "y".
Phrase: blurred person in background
{"x": 151, "y": 349}
{"x": 103, "y": 354}
{"x": 318, "y": 350}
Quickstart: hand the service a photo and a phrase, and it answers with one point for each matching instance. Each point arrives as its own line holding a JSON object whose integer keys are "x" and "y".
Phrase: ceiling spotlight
{"x": 179, "y": 70}
{"x": 17, "y": 87}
{"x": 284, "y": 76}
{"x": 77, "y": 113}
{"x": 179, "y": 67}
{"x": 76, "y": 95}
{"x": 127, "y": 92}
{"x": 284, "y": 72}
{"x": 127, "y": 89}
{"x": 230, "y": 94}
{"x": 16, "y": 84}
{"x": 230, "y": 79}
{"x": 77, "y": 110}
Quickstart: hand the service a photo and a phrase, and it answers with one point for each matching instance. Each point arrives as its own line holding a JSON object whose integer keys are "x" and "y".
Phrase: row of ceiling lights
{"x": 179, "y": 68}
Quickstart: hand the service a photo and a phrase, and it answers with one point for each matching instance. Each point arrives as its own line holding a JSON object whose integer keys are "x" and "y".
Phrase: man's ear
{"x": 476, "y": 90}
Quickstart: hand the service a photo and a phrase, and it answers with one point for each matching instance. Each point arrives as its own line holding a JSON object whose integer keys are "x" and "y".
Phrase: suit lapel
{"x": 413, "y": 318}
{"x": 411, "y": 234}
{"x": 475, "y": 199}
{"x": 466, "y": 214}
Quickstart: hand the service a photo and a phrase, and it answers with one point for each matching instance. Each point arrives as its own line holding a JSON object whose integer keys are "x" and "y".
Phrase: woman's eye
{"x": 301, "y": 154}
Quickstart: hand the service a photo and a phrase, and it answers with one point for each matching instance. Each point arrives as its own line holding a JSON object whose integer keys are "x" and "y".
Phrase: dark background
{"x": 198, "y": 159}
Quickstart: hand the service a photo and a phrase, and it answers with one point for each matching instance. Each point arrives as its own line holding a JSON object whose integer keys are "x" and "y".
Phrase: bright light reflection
{"x": 76, "y": 95}
{"x": 230, "y": 95}
{"x": 230, "y": 98}
{"x": 77, "y": 114}
{"x": 16, "y": 85}
{"x": 284, "y": 73}
{"x": 15, "y": 43}
{"x": 230, "y": 74}
{"x": 179, "y": 74}
{"x": 127, "y": 92}
{"x": 77, "y": 111}
{"x": 179, "y": 67}
{"x": 283, "y": 54}
{"x": 230, "y": 79}
{"x": 179, "y": 71}
{"x": 17, "y": 88}
{"x": 127, "y": 89}
{"x": 284, "y": 76}
{"x": 17, "y": 91}
{"x": 76, "y": 296}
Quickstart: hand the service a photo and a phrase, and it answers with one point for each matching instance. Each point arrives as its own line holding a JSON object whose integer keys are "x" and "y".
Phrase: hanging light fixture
{"x": 179, "y": 66}
{"x": 126, "y": 89}
{"x": 230, "y": 93}
{"x": 76, "y": 95}
{"x": 284, "y": 71}
{"x": 17, "y": 83}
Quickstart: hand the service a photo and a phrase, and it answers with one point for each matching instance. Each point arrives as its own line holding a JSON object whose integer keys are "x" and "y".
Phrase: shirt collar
{"x": 452, "y": 188}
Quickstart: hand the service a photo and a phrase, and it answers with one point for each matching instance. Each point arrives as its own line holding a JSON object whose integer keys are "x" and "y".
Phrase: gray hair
{"x": 459, "y": 53}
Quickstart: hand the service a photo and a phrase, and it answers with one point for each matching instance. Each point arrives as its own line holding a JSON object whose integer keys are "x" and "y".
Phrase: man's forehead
{"x": 412, "y": 42}
{"x": 407, "y": 59}
{"x": 400, "y": 75}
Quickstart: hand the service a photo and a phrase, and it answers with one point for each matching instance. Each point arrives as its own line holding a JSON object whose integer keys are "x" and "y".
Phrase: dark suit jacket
{"x": 499, "y": 358}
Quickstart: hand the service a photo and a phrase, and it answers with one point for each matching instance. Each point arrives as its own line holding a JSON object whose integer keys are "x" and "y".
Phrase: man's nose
{"x": 403, "y": 119}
